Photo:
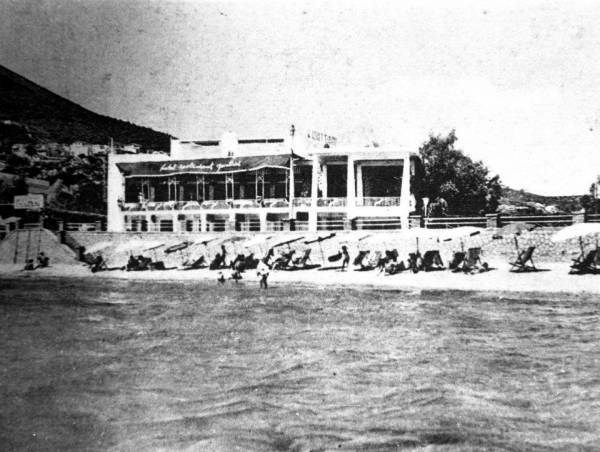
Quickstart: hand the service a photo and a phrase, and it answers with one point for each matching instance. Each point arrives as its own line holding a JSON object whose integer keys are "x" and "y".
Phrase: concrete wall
{"x": 28, "y": 243}
{"x": 502, "y": 249}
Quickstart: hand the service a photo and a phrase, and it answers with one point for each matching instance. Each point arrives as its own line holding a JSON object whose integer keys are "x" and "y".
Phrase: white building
{"x": 255, "y": 185}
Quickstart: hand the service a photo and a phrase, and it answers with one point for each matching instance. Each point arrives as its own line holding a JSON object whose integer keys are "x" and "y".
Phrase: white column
{"x": 359, "y": 183}
{"x": 116, "y": 190}
{"x": 324, "y": 178}
{"x": 405, "y": 193}
{"x": 314, "y": 191}
{"x": 203, "y": 224}
{"x": 291, "y": 190}
{"x": 262, "y": 218}
{"x": 176, "y": 224}
{"x": 351, "y": 190}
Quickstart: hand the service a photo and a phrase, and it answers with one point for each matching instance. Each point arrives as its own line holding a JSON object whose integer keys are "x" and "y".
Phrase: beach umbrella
{"x": 319, "y": 239}
{"x": 578, "y": 230}
{"x": 460, "y": 233}
{"x": 177, "y": 247}
{"x": 515, "y": 229}
{"x": 136, "y": 244}
{"x": 204, "y": 241}
{"x": 288, "y": 241}
{"x": 99, "y": 246}
{"x": 257, "y": 240}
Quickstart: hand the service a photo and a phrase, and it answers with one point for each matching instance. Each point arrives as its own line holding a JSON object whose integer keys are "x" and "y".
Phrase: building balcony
{"x": 334, "y": 203}
{"x": 378, "y": 201}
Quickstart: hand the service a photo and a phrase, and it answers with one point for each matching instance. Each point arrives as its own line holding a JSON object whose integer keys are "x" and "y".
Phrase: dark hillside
{"x": 47, "y": 117}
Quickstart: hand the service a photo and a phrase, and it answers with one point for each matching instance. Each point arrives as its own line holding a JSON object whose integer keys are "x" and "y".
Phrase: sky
{"x": 519, "y": 81}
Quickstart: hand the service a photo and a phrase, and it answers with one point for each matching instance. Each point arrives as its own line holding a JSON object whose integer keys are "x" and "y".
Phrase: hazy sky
{"x": 519, "y": 81}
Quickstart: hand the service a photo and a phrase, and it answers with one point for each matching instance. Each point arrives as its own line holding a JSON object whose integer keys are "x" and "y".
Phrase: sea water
{"x": 98, "y": 364}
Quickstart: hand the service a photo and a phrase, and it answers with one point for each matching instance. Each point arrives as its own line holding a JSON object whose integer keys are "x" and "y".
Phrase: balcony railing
{"x": 331, "y": 202}
{"x": 209, "y": 205}
{"x": 378, "y": 201}
{"x": 370, "y": 201}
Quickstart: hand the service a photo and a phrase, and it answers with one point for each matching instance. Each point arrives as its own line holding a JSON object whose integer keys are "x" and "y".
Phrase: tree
{"x": 453, "y": 176}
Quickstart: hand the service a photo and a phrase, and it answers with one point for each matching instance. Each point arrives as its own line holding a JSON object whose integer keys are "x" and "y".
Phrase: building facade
{"x": 304, "y": 182}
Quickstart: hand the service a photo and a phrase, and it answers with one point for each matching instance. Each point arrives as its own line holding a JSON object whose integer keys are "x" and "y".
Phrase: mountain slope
{"x": 47, "y": 117}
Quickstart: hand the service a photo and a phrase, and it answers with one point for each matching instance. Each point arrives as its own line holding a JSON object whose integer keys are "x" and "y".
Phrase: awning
{"x": 204, "y": 166}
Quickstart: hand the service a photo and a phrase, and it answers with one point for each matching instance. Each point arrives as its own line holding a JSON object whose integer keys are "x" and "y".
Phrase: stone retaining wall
{"x": 493, "y": 246}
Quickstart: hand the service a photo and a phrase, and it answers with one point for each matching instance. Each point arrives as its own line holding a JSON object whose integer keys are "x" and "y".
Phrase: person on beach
{"x": 221, "y": 278}
{"x": 236, "y": 276}
{"x": 263, "y": 274}
{"x": 29, "y": 265}
{"x": 43, "y": 260}
{"x": 346, "y": 258}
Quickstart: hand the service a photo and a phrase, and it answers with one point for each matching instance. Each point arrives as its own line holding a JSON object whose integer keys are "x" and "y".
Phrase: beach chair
{"x": 587, "y": 264}
{"x": 393, "y": 267}
{"x": 217, "y": 262}
{"x": 457, "y": 260}
{"x": 415, "y": 262}
{"x": 98, "y": 264}
{"x": 250, "y": 262}
{"x": 373, "y": 261}
{"x": 432, "y": 261}
{"x": 473, "y": 262}
{"x": 524, "y": 261}
{"x": 302, "y": 263}
{"x": 283, "y": 260}
{"x": 139, "y": 263}
{"x": 198, "y": 263}
{"x": 358, "y": 260}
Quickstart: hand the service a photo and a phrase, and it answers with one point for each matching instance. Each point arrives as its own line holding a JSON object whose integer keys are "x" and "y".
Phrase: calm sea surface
{"x": 105, "y": 364}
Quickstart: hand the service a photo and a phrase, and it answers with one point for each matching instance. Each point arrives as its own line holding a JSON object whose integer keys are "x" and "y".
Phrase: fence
{"x": 593, "y": 218}
{"x": 453, "y": 222}
{"x": 540, "y": 220}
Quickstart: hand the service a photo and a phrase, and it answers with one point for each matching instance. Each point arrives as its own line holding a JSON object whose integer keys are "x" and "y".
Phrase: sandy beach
{"x": 552, "y": 279}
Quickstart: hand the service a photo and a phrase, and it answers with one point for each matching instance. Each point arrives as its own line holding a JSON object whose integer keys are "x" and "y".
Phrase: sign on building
{"x": 29, "y": 202}
{"x": 321, "y": 138}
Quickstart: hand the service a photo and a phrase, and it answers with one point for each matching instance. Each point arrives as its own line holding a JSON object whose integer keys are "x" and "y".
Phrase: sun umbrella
{"x": 287, "y": 242}
{"x": 132, "y": 245}
{"x": 204, "y": 241}
{"x": 319, "y": 239}
{"x": 177, "y": 247}
{"x": 515, "y": 229}
{"x": 257, "y": 240}
{"x": 577, "y": 230}
{"x": 98, "y": 247}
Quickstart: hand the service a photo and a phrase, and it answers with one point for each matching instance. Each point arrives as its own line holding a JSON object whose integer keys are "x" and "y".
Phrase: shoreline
{"x": 553, "y": 280}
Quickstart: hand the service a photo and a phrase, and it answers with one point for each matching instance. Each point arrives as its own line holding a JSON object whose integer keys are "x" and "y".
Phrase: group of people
{"x": 42, "y": 261}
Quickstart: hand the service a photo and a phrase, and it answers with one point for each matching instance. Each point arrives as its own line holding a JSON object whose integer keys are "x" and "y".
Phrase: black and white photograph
{"x": 265, "y": 225}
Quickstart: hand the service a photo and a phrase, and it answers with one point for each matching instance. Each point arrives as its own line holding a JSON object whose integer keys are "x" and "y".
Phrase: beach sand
{"x": 553, "y": 279}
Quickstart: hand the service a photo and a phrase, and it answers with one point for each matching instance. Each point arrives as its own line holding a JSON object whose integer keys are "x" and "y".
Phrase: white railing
{"x": 378, "y": 223}
{"x": 378, "y": 201}
{"x": 540, "y": 220}
{"x": 81, "y": 227}
{"x": 301, "y": 225}
{"x": 250, "y": 225}
{"x": 453, "y": 222}
{"x": 302, "y": 202}
{"x": 593, "y": 218}
{"x": 331, "y": 202}
{"x": 274, "y": 226}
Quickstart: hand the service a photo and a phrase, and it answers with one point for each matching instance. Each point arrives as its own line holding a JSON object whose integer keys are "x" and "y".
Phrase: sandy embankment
{"x": 554, "y": 279}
